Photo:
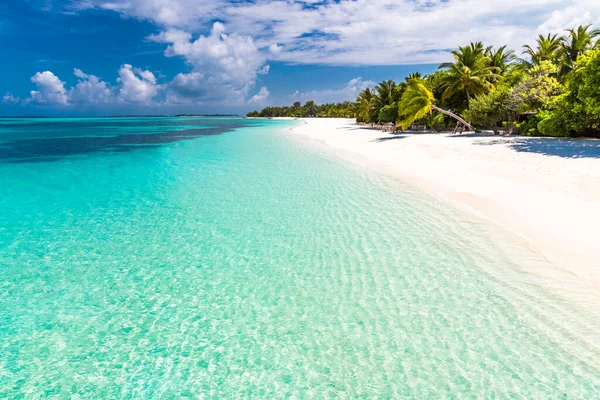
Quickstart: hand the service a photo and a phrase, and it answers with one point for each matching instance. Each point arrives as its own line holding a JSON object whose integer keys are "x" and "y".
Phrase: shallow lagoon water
{"x": 218, "y": 257}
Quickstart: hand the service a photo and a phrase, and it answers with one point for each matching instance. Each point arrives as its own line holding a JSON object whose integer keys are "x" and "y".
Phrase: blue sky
{"x": 104, "y": 57}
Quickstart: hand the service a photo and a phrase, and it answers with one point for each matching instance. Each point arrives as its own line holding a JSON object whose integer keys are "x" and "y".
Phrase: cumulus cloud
{"x": 80, "y": 74}
{"x": 194, "y": 88}
{"x": 366, "y": 32}
{"x": 223, "y": 64}
{"x": 579, "y": 12}
{"x": 90, "y": 89}
{"x": 50, "y": 89}
{"x": 137, "y": 86}
{"x": 261, "y": 97}
{"x": 189, "y": 86}
{"x": 8, "y": 98}
{"x": 347, "y": 93}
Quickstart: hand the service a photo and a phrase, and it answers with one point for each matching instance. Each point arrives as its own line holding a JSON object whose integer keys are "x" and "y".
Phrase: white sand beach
{"x": 544, "y": 190}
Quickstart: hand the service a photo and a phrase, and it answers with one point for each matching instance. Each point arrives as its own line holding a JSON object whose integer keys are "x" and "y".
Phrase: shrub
{"x": 388, "y": 113}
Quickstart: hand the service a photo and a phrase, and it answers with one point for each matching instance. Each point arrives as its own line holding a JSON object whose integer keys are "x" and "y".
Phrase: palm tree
{"x": 546, "y": 49}
{"x": 500, "y": 58}
{"x": 417, "y": 101}
{"x": 577, "y": 42}
{"x": 470, "y": 72}
{"x": 468, "y": 55}
{"x": 365, "y": 104}
{"x": 387, "y": 93}
{"x": 411, "y": 76}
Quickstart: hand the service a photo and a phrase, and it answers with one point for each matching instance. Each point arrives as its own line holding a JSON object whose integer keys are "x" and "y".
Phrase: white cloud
{"x": 580, "y": 12}
{"x": 365, "y": 32}
{"x": 226, "y": 58}
{"x": 224, "y": 66}
{"x": 274, "y": 48}
{"x": 261, "y": 97}
{"x": 50, "y": 89}
{"x": 347, "y": 93}
{"x": 80, "y": 74}
{"x": 166, "y": 13}
{"x": 136, "y": 89}
{"x": 8, "y": 98}
{"x": 90, "y": 89}
{"x": 191, "y": 88}
{"x": 264, "y": 70}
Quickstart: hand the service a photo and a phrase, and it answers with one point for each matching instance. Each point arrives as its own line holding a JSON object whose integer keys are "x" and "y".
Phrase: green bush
{"x": 489, "y": 110}
{"x": 388, "y": 113}
{"x": 529, "y": 127}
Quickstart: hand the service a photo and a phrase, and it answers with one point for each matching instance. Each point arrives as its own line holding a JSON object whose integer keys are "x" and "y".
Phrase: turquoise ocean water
{"x": 219, "y": 258}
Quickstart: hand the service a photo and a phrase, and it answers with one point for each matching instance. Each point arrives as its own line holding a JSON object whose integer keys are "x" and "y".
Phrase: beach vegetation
{"x": 492, "y": 109}
{"x": 388, "y": 113}
{"x": 417, "y": 103}
{"x": 553, "y": 89}
{"x": 546, "y": 49}
{"x": 575, "y": 44}
{"x": 346, "y": 109}
{"x": 471, "y": 73}
{"x": 576, "y": 112}
{"x": 365, "y": 105}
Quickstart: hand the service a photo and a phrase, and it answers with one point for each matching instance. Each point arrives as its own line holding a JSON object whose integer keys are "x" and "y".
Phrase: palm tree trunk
{"x": 468, "y": 99}
{"x": 452, "y": 115}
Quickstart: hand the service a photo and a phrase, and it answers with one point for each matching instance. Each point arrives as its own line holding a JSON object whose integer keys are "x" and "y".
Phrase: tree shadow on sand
{"x": 565, "y": 148}
{"x": 388, "y": 138}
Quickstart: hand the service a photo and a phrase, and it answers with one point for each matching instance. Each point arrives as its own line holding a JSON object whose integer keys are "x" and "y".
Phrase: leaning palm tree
{"x": 418, "y": 101}
{"x": 411, "y": 76}
{"x": 577, "y": 42}
{"x": 470, "y": 73}
{"x": 546, "y": 49}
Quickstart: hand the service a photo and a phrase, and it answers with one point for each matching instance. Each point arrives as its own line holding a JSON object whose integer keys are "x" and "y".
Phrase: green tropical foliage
{"x": 575, "y": 112}
{"x": 388, "y": 113}
{"x": 418, "y": 102}
{"x": 415, "y": 104}
{"x": 554, "y": 90}
{"x": 501, "y": 59}
{"x": 546, "y": 49}
{"x": 491, "y": 109}
{"x": 365, "y": 105}
{"x": 347, "y": 109}
{"x": 536, "y": 89}
{"x": 472, "y": 72}
{"x": 575, "y": 44}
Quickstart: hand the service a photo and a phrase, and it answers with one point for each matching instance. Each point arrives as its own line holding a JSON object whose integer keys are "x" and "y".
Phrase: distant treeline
{"x": 347, "y": 109}
{"x": 206, "y": 115}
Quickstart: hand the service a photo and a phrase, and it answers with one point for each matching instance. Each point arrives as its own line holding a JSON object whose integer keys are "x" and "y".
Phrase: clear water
{"x": 216, "y": 257}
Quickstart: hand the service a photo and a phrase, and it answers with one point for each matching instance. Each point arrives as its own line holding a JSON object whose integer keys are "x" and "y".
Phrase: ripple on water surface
{"x": 247, "y": 265}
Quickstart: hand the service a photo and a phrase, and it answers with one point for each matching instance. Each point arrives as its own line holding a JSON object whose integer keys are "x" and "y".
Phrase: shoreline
{"x": 550, "y": 201}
